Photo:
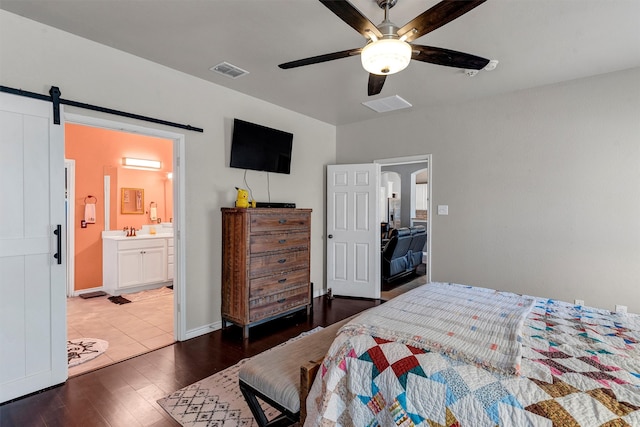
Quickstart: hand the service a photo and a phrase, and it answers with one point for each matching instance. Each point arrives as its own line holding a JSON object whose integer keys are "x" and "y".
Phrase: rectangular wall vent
{"x": 384, "y": 105}
{"x": 229, "y": 70}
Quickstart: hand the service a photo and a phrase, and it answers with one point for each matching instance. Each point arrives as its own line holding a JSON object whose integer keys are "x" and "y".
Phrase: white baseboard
{"x": 202, "y": 330}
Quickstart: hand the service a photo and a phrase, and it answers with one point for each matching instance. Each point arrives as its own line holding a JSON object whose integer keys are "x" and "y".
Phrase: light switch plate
{"x": 443, "y": 209}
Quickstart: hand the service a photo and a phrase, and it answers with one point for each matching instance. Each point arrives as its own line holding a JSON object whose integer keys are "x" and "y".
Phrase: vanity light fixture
{"x": 141, "y": 163}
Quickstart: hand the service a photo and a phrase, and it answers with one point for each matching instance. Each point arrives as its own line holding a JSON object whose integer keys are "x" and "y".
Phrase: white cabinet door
{"x": 422, "y": 198}
{"x": 145, "y": 263}
{"x": 129, "y": 268}
{"x": 154, "y": 265}
{"x": 141, "y": 262}
{"x": 33, "y": 348}
{"x": 170, "y": 255}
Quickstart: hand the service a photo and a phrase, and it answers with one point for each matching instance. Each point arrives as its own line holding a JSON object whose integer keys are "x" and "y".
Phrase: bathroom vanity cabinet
{"x": 170, "y": 255}
{"x": 133, "y": 263}
{"x": 265, "y": 264}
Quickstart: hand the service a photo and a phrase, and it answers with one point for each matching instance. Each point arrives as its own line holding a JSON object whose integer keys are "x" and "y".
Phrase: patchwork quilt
{"x": 579, "y": 366}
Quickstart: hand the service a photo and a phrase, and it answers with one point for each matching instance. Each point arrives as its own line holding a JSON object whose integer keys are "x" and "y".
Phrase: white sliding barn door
{"x": 33, "y": 351}
{"x": 353, "y": 230}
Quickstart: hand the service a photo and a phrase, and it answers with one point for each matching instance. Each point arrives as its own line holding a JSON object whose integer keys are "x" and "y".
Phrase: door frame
{"x": 428, "y": 159}
{"x": 70, "y": 180}
{"x": 179, "y": 209}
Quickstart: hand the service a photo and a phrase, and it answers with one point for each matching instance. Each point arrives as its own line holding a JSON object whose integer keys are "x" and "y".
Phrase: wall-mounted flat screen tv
{"x": 260, "y": 148}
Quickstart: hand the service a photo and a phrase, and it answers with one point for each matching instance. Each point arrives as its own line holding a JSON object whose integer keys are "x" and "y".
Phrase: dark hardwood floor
{"x": 125, "y": 394}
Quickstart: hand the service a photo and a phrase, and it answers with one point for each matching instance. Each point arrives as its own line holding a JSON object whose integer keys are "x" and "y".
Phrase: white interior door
{"x": 353, "y": 230}
{"x": 33, "y": 349}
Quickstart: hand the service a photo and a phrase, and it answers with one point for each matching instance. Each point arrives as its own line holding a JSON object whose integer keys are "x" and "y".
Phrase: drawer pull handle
{"x": 282, "y": 241}
{"x": 282, "y": 280}
{"x": 282, "y": 260}
{"x": 283, "y": 221}
{"x": 280, "y": 301}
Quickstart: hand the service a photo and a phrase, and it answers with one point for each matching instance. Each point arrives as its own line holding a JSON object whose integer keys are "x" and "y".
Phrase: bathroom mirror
{"x": 132, "y": 201}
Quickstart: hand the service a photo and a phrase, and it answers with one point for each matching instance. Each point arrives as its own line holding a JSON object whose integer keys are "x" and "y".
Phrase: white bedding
{"x": 476, "y": 325}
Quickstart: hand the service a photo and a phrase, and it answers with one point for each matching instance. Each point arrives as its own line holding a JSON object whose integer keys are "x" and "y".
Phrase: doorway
{"x": 355, "y": 201}
{"x": 151, "y": 319}
{"x": 406, "y": 184}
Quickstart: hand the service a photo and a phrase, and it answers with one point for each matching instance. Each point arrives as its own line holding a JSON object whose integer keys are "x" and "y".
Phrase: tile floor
{"x": 131, "y": 329}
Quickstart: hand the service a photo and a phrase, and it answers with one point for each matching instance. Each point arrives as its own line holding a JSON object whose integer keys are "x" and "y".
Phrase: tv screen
{"x": 260, "y": 148}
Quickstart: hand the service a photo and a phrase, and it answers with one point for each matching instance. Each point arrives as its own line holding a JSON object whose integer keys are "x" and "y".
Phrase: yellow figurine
{"x": 242, "y": 200}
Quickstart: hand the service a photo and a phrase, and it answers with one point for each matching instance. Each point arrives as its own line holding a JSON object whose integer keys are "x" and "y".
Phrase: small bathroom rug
{"x": 81, "y": 350}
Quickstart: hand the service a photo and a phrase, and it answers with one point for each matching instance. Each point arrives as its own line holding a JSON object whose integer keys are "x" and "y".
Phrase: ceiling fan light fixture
{"x": 386, "y": 56}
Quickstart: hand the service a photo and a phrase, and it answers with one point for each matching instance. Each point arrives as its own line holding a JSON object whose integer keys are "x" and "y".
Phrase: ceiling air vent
{"x": 229, "y": 70}
{"x": 384, "y": 105}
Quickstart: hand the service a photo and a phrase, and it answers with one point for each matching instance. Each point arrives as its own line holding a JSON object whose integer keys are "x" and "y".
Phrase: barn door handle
{"x": 58, "y": 232}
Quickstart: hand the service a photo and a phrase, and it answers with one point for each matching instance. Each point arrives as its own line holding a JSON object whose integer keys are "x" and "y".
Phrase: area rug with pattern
{"x": 216, "y": 401}
{"x": 81, "y": 350}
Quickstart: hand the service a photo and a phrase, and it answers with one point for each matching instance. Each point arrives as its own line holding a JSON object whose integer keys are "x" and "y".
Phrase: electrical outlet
{"x": 622, "y": 309}
{"x": 579, "y": 302}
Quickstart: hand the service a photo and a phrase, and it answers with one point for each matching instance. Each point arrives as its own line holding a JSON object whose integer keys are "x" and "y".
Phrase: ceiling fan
{"x": 388, "y": 49}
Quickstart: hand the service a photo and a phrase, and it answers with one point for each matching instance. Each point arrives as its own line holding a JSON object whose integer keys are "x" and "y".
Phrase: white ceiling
{"x": 537, "y": 42}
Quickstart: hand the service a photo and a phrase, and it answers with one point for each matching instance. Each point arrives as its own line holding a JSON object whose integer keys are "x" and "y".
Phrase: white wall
{"x": 543, "y": 187}
{"x": 34, "y": 57}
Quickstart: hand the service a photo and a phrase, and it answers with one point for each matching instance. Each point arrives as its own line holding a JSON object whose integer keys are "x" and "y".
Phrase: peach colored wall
{"x": 153, "y": 184}
{"x": 98, "y": 152}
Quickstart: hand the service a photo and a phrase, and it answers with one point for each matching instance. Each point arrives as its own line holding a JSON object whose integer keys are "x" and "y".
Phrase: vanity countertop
{"x": 138, "y": 236}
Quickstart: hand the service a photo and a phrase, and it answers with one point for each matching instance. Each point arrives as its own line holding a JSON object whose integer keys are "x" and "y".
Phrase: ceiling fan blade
{"x": 320, "y": 58}
{"x": 440, "y": 14}
{"x": 375, "y": 83}
{"x": 446, "y": 57}
{"x": 352, "y": 16}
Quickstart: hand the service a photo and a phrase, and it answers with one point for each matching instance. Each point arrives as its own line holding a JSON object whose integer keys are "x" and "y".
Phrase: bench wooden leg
{"x": 308, "y": 372}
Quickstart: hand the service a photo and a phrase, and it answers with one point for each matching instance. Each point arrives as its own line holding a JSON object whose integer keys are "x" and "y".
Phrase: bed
{"x": 454, "y": 355}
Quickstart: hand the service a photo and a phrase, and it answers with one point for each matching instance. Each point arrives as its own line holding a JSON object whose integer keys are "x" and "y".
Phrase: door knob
{"x": 330, "y": 236}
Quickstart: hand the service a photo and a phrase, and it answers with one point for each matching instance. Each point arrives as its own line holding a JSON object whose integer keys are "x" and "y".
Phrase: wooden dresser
{"x": 265, "y": 264}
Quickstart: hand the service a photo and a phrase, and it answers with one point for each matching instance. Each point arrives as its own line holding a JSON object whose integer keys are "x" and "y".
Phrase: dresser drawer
{"x": 271, "y": 305}
{"x": 278, "y": 263}
{"x": 278, "y": 283}
{"x": 278, "y": 242}
{"x": 274, "y": 222}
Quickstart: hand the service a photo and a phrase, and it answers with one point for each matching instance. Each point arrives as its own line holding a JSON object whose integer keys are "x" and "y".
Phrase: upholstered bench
{"x": 283, "y": 376}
